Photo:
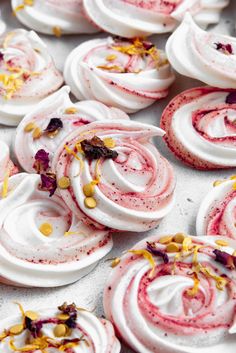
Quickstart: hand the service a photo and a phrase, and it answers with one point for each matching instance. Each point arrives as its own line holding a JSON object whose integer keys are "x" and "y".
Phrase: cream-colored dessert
{"x": 7, "y": 168}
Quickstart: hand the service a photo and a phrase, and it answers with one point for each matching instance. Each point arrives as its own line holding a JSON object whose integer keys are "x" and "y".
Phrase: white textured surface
{"x": 191, "y": 188}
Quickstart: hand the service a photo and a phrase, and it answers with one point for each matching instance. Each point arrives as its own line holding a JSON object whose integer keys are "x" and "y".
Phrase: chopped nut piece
{"x": 46, "y": 229}
{"x": 221, "y": 242}
{"x": 179, "y": 238}
{"x": 60, "y": 330}
{"x": 217, "y": 182}
{"x": 57, "y": 31}
{"x": 111, "y": 57}
{"x": 109, "y": 142}
{"x": 29, "y": 127}
{"x": 63, "y": 317}
{"x": 37, "y": 133}
{"x": 90, "y": 202}
{"x": 172, "y": 247}
{"x": 166, "y": 240}
{"x": 31, "y": 315}
{"x": 16, "y": 329}
{"x": 88, "y": 189}
{"x": 115, "y": 262}
{"x": 64, "y": 183}
{"x": 71, "y": 110}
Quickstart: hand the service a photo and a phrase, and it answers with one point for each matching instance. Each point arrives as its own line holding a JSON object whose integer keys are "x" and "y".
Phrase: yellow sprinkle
{"x": 57, "y": 31}
{"x": 37, "y": 133}
{"x": 193, "y": 291}
{"x": 64, "y": 183}
{"x": 217, "y": 182}
{"x": 29, "y": 127}
{"x": 148, "y": 256}
{"x": 71, "y": 110}
{"x": 166, "y": 239}
{"x": 220, "y": 281}
{"x": 97, "y": 172}
{"x": 115, "y": 262}
{"x": 46, "y": 229}
{"x": 5, "y": 185}
{"x": 66, "y": 234}
{"x": 90, "y": 202}
{"x": 16, "y": 329}
{"x": 31, "y": 315}
{"x": 69, "y": 151}
{"x": 179, "y": 238}
{"x": 111, "y": 57}
{"x": 60, "y": 330}
{"x": 187, "y": 244}
{"x": 172, "y": 247}
{"x": 89, "y": 189}
{"x": 109, "y": 142}
{"x": 63, "y": 317}
{"x": 221, "y": 242}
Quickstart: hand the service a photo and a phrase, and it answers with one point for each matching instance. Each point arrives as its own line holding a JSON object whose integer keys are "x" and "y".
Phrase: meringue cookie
{"x": 208, "y": 57}
{"x": 160, "y": 300}
{"x": 216, "y": 214}
{"x": 131, "y": 18}
{"x": 200, "y": 127}
{"x": 27, "y": 74}
{"x": 2, "y": 27}
{"x": 70, "y": 115}
{"x": 50, "y": 330}
{"x": 50, "y": 16}
{"x": 42, "y": 244}
{"x": 6, "y": 165}
{"x": 129, "y": 75}
{"x": 132, "y": 190}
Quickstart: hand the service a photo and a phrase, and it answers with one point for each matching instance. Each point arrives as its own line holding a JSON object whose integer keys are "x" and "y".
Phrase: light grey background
{"x": 191, "y": 187}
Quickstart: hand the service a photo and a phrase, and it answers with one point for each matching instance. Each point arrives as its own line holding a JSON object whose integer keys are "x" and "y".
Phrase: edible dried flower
{"x": 229, "y": 261}
{"x": 225, "y": 48}
{"x": 95, "y": 148}
{"x": 41, "y": 161}
{"x": 153, "y": 250}
{"x": 71, "y": 310}
{"x": 48, "y": 183}
{"x": 231, "y": 98}
{"x": 55, "y": 124}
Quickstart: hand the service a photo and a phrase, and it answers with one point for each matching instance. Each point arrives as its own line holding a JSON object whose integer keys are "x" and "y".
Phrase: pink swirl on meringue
{"x": 129, "y": 75}
{"x": 133, "y": 191}
{"x": 183, "y": 304}
{"x": 200, "y": 127}
{"x": 217, "y": 213}
{"x": 6, "y": 165}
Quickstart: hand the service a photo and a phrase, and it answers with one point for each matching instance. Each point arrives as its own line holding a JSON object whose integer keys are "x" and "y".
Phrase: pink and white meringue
{"x": 57, "y": 108}
{"x": 27, "y": 74}
{"x": 54, "y": 16}
{"x": 124, "y": 183}
{"x": 216, "y": 215}
{"x": 129, "y": 75}
{"x": 205, "y": 56}
{"x": 7, "y": 168}
{"x": 42, "y": 244}
{"x": 175, "y": 294}
{"x": 131, "y": 18}
{"x": 200, "y": 127}
{"x": 67, "y": 329}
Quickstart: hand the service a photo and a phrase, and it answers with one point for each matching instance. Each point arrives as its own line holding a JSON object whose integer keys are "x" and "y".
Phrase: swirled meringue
{"x": 27, "y": 74}
{"x": 71, "y": 115}
{"x": 185, "y": 303}
{"x": 205, "y": 56}
{"x": 2, "y": 27}
{"x": 131, "y": 18}
{"x": 129, "y": 75}
{"x": 216, "y": 215}
{"x": 200, "y": 127}
{"x": 50, "y": 330}
{"x": 6, "y": 165}
{"x": 48, "y": 16}
{"x": 132, "y": 191}
{"x": 41, "y": 242}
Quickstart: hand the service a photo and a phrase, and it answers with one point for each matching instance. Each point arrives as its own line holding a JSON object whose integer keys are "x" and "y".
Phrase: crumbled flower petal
{"x": 54, "y": 125}
{"x": 71, "y": 310}
{"x": 225, "y": 48}
{"x": 33, "y": 326}
{"x": 95, "y": 149}
{"x": 153, "y": 250}
{"x": 48, "y": 183}
{"x": 229, "y": 261}
{"x": 41, "y": 161}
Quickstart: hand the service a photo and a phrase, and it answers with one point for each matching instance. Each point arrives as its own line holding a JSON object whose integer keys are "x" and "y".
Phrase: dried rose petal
{"x": 33, "y": 326}
{"x": 1, "y": 56}
{"x": 229, "y": 261}
{"x": 231, "y": 98}
{"x": 226, "y": 48}
{"x": 48, "y": 183}
{"x": 95, "y": 149}
{"x": 41, "y": 161}
{"x": 54, "y": 125}
{"x": 152, "y": 248}
{"x": 148, "y": 45}
{"x": 71, "y": 310}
